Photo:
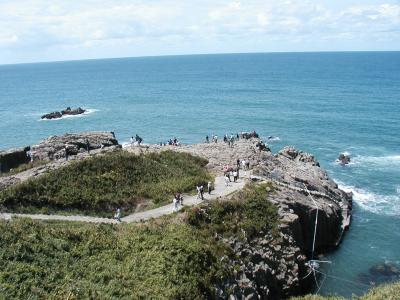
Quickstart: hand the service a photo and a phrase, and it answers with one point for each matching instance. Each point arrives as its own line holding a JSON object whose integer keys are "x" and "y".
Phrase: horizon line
{"x": 197, "y": 54}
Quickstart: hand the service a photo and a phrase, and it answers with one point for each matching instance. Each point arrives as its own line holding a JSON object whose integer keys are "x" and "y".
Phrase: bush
{"x": 98, "y": 185}
{"x": 248, "y": 213}
{"x": 80, "y": 261}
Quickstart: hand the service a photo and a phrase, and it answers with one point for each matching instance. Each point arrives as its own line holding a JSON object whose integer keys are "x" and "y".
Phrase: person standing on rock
{"x": 209, "y": 187}
{"x": 87, "y": 146}
{"x": 207, "y": 139}
{"x": 66, "y": 153}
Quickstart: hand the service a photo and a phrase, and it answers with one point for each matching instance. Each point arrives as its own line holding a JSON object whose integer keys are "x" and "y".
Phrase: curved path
{"x": 220, "y": 190}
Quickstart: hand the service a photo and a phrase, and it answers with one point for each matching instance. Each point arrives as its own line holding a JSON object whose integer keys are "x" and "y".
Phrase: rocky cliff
{"x": 55, "y": 147}
{"x": 50, "y": 154}
{"x": 267, "y": 268}
{"x": 13, "y": 158}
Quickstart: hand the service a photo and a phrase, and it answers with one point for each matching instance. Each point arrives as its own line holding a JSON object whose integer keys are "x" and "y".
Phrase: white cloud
{"x": 139, "y": 26}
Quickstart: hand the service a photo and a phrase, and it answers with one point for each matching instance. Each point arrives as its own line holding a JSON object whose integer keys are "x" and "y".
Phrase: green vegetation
{"x": 23, "y": 167}
{"x": 247, "y": 213}
{"x": 174, "y": 257}
{"x": 98, "y": 185}
{"x": 384, "y": 292}
{"x": 41, "y": 260}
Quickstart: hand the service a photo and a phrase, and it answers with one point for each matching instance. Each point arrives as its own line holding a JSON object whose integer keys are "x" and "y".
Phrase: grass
{"x": 247, "y": 214}
{"x": 23, "y": 167}
{"x": 41, "y": 260}
{"x": 96, "y": 186}
{"x": 174, "y": 257}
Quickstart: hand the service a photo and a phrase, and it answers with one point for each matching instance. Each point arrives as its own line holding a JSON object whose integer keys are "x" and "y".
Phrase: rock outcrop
{"x": 13, "y": 158}
{"x": 54, "y": 147}
{"x": 344, "y": 159}
{"x": 66, "y": 112}
{"x": 273, "y": 271}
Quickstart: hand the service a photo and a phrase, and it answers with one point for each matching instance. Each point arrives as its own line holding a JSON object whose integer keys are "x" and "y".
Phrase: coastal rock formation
{"x": 67, "y": 112}
{"x": 13, "y": 158}
{"x": 344, "y": 159}
{"x": 268, "y": 270}
{"x": 54, "y": 146}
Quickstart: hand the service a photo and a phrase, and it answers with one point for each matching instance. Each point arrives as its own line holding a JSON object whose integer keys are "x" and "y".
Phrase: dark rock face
{"x": 67, "y": 111}
{"x": 13, "y": 158}
{"x": 266, "y": 267}
{"x": 55, "y": 147}
{"x": 249, "y": 135}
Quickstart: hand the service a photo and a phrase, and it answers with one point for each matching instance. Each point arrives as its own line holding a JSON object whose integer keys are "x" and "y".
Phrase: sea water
{"x": 323, "y": 103}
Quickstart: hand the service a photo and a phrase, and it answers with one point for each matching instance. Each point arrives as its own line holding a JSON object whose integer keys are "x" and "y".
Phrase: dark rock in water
{"x": 344, "y": 159}
{"x": 73, "y": 112}
{"x": 53, "y": 115}
{"x": 13, "y": 158}
{"x": 67, "y": 112}
{"x": 381, "y": 273}
{"x": 54, "y": 147}
{"x": 249, "y": 135}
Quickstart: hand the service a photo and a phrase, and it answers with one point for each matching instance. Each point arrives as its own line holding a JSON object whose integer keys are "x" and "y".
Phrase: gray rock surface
{"x": 13, "y": 158}
{"x": 54, "y": 146}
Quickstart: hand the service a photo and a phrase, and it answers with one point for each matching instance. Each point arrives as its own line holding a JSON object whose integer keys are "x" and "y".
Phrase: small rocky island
{"x": 66, "y": 112}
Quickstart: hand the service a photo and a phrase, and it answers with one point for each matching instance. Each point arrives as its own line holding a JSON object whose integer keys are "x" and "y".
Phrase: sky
{"x": 40, "y": 30}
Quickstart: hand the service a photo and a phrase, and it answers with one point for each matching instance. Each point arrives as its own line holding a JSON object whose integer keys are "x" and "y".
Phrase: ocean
{"x": 322, "y": 103}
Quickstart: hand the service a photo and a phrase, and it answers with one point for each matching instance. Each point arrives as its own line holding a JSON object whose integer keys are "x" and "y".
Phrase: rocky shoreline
{"x": 266, "y": 267}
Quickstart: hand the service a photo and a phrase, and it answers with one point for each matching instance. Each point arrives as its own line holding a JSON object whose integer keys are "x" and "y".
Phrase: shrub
{"x": 100, "y": 184}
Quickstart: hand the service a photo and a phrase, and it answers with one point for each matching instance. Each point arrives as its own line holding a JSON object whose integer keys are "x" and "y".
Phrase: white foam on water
{"x": 389, "y": 160}
{"x": 271, "y": 138}
{"x": 88, "y": 111}
{"x": 379, "y": 204}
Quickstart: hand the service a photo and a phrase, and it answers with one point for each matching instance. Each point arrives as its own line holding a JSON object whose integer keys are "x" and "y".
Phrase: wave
{"x": 379, "y": 204}
{"x": 378, "y": 160}
{"x": 271, "y": 138}
{"x": 88, "y": 111}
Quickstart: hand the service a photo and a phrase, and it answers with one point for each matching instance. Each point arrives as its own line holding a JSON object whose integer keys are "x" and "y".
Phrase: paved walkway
{"x": 220, "y": 190}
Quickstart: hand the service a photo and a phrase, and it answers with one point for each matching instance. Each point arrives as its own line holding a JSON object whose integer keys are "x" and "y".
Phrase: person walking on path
{"x": 227, "y": 179}
{"x": 235, "y": 176}
{"x": 238, "y": 163}
{"x": 198, "y": 192}
{"x": 175, "y": 204}
{"x": 202, "y": 192}
{"x": 209, "y": 187}
{"x": 117, "y": 215}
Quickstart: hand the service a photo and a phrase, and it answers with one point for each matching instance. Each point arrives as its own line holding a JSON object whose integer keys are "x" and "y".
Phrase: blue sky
{"x": 39, "y": 30}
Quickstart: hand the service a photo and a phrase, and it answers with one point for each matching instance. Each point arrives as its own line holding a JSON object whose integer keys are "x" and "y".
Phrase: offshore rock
{"x": 55, "y": 147}
{"x": 66, "y": 112}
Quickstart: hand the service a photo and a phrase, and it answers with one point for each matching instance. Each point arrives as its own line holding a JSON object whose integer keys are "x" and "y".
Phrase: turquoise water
{"x": 324, "y": 103}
